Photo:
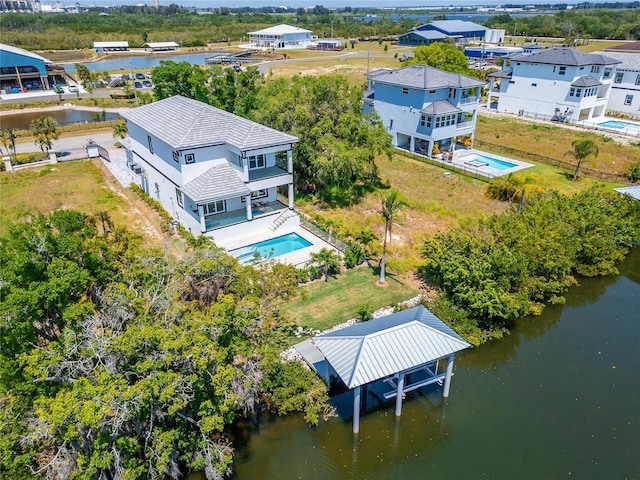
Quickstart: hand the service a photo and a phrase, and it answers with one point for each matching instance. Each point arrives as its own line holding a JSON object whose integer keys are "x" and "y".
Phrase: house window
{"x": 562, "y": 70}
{"x": 618, "y": 78}
{"x": 150, "y": 142}
{"x": 432, "y": 92}
{"x": 607, "y": 73}
{"x": 391, "y": 124}
{"x": 628, "y": 99}
{"x": 257, "y": 161}
{"x": 595, "y": 68}
{"x": 190, "y": 158}
{"x": 262, "y": 193}
{"x": 176, "y": 156}
{"x": 422, "y": 120}
{"x": 214, "y": 207}
{"x": 429, "y": 122}
{"x": 572, "y": 92}
{"x": 534, "y": 84}
{"x": 638, "y": 79}
{"x": 405, "y": 90}
{"x": 578, "y": 92}
{"x": 179, "y": 198}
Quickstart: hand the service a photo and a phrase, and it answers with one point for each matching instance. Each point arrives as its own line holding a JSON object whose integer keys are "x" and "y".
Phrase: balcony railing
{"x": 468, "y": 100}
{"x": 461, "y": 125}
{"x": 268, "y": 172}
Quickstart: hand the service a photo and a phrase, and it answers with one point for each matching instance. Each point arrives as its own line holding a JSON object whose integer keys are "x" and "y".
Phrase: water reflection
{"x": 557, "y": 398}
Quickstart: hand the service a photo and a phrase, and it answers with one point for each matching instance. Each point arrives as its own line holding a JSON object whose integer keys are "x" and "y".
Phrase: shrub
{"x": 353, "y": 256}
{"x": 633, "y": 171}
{"x": 364, "y": 312}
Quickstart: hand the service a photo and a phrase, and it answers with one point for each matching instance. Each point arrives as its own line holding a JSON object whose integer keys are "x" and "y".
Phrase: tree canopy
{"x": 120, "y": 361}
{"x": 444, "y": 56}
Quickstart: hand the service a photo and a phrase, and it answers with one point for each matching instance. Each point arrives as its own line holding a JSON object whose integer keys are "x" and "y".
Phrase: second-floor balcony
{"x": 267, "y": 172}
{"x": 467, "y": 100}
{"x": 463, "y": 125}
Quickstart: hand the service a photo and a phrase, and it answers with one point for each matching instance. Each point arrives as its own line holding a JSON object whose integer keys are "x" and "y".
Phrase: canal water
{"x": 558, "y": 398}
{"x": 63, "y": 117}
{"x": 137, "y": 63}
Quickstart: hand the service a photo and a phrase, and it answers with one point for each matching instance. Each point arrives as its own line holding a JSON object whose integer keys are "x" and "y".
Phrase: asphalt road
{"x": 70, "y": 143}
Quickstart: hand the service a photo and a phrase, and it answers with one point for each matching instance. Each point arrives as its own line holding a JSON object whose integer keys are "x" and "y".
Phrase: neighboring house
{"x": 625, "y": 90}
{"x": 281, "y": 36}
{"x": 160, "y": 46}
{"x": 102, "y": 47}
{"x": 459, "y": 31}
{"x": 560, "y": 84}
{"x": 213, "y": 171}
{"x": 421, "y": 105}
{"x": 22, "y": 71}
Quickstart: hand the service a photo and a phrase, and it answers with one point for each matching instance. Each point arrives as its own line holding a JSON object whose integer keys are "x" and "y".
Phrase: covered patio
{"x": 404, "y": 350}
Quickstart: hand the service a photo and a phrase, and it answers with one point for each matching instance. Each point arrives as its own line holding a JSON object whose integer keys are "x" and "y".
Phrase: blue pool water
{"x": 619, "y": 124}
{"x": 270, "y": 248}
{"x": 484, "y": 161}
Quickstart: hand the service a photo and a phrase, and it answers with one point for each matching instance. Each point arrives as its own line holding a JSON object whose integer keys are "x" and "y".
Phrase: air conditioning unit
{"x": 138, "y": 169}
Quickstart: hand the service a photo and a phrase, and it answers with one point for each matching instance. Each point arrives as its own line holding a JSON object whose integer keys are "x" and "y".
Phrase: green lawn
{"x": 321, "y": 305}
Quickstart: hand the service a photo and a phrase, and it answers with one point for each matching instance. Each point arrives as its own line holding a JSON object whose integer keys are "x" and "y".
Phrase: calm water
{"x": 558, "y": 398}
{"x": 271, "y": 248}
{"x": 146, "y": 63}
{"x": 63, "y": 117}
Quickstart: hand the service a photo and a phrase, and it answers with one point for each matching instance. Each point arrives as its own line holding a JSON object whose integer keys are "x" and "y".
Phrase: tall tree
{"x": 391, "y": 205}
{"x": 83, "y": 73}
{"x": 45, "y": 130}
{"x": 8, "y": 137}
{"x": 582, "y": 149}
{"x": 441, "y": 55}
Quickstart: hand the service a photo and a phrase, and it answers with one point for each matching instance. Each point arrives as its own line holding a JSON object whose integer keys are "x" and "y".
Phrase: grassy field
{"x": 555, "y": 141}
{"x": 316, "y": 306}
{"x": 83, "y": 185}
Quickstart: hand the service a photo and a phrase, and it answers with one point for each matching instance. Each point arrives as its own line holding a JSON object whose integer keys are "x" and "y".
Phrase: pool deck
{"x": 298, "y": 257}
{"x": 631, "y": 128}
{"x": 462, "y": 157}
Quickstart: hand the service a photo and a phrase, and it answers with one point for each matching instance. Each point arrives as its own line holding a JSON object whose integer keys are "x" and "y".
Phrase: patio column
{"x": 247, "y": 201}
{"x": 399, "y": 393}
{"x": 289, "y": 161}
{"x": 430, "y": 148}
{"x": 447, "y": 378}
{"x": 356, "y": 409}
{"x": 412, "y": 144}
{"x": 245, "y": 168}
{"x": 203, "y": 226}
{"x": 290, "y": 196}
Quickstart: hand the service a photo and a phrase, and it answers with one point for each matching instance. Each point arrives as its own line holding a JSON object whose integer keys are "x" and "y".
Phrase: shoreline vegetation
{"x": 128, "y": 351}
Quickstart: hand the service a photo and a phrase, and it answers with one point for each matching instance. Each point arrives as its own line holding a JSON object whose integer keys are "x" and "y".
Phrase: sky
{"x": 326, "y": 3}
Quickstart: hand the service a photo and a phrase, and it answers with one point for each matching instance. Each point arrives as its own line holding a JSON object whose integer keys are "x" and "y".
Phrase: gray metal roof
{"x": 424, "y": 77}
{"x": 508, "y": 73}
{"x": 456, "y": 26}
{"x": 630, "y": 61}
{"x": 440, "y": 107}
{"x": 385, "y": 346}
{"x": 220, "y": 182}
{"x": 186, "y": 123}
{"x": 586, "y": 81}
{"x": 632, "y": 191}
{"x": 633, "y": 47}
{"x": 564, "y": 56}
{"x": 427, "y": 34}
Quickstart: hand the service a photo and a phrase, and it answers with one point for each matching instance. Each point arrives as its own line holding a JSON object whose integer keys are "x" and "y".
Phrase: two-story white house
{"x": 216, "y": 173}
{"x": 422, "y": 105}
{"x": 560, "y": 84}
{"x": 625, "y": 89}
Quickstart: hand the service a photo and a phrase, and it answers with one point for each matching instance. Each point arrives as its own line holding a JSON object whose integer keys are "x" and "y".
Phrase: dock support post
{"x": 399, "y": 395}
{"x": 356, "y": 409}
{"x": 447, "y": 378}
{"x": 327, "y": 375}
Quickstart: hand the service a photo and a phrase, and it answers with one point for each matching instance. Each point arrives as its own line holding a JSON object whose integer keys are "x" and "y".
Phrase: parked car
{"x": 137, "y": 84}
{"x": 73, "y": 88}
{"x": 147, "y": 84}
{"x": 140, "y": 76}
{"x": 237, "y": 68}
{"x": 58, "y": 88}
{"x": 148, "y": 75}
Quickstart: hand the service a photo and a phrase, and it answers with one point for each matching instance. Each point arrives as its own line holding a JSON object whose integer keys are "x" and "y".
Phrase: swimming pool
{"x": 619, "y": 124}
{"x": 271, "y": 248}
{"x": 485, "y": 161}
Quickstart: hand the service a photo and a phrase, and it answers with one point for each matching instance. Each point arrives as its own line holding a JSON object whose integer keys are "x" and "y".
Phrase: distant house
{"x": 560, "y": 84}
{"x": 216, "y": 173}
{"x": 23, "y": 71}
{"x": 160, "y": 46}
{"x": 437, "y": 31}
{"x": 103, "y": 47}
{"x": 421, "y": 105}
{"x": 280, "y": 36}
{"x": 625, "y": 90}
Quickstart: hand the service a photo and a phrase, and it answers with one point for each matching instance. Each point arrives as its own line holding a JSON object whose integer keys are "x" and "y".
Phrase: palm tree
{"x": 327, "y": 260}
{"x": 524, "y": 188}
{"x": 120, "y": 130}
{"x": 44, "y": 129}
{"x": 390, "y": 208}
{"x": 365, "y": 238}
{"x": 581, "y": 150}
